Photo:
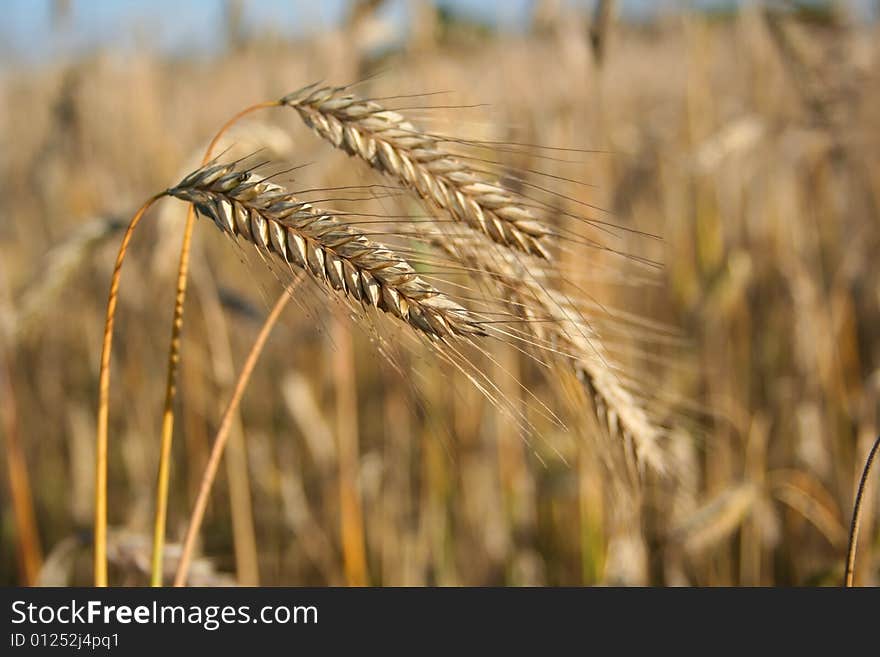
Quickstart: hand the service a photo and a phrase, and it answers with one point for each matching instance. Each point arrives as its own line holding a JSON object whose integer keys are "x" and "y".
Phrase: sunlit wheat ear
{"x": 389, "y": 143}
{"x": 341, "y": 259}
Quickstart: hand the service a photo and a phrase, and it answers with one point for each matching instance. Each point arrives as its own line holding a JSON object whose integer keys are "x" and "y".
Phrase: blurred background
{"x": 746, "y": 134}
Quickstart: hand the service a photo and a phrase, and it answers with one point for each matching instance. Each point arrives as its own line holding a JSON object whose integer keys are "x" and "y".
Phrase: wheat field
{"x": 590, "y": 303}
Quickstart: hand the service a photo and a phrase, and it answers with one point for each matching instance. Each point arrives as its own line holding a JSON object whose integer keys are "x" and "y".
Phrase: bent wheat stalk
{"x": 349, "y": 265}
{"x": 390, "y": 144}
{"x": 100, "y": 552}
{"x": 341, "y": 259}
{"x": 173, "y": 364}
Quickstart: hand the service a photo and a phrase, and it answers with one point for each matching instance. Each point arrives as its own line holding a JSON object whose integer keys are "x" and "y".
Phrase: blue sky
{"x": 26, "y": 32}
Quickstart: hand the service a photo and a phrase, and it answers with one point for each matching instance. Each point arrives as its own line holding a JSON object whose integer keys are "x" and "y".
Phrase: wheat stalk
{"x": 174, "y": 361}
{"x": 102, "y": 432}
{"x": 849, "y": 570}
{"x": 390, "y": 144}
{"x": 198, "y": 514}
{"x": 343, "y": 260}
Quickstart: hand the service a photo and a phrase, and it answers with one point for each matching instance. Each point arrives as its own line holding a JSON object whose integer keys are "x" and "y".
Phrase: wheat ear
{"x": 340, "y": 258}
{"x": 57, "y": 268}
{"x": 389, "y": 143}
{"x": 554, "y": 323}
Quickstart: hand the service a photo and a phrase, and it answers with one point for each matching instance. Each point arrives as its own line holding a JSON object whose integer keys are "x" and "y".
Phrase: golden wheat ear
{"x": 341, "y": 259}
{"x": 554, "y": 324}
{"x": 390, "y": 144}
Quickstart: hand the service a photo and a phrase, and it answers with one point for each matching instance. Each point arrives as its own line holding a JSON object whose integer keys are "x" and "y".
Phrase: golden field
{"x": 749, "y": 142}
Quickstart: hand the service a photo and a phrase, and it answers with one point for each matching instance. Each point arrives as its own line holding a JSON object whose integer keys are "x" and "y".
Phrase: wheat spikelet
{"x": 340, "y": 258}
{"x": 389, "y": 143}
